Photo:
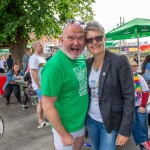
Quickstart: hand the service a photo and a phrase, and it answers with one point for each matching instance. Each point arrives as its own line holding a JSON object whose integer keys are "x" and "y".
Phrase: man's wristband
{"x": 142, "y": 105}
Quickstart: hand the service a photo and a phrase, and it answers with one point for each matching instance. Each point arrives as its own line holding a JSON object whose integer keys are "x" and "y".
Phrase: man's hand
{"x": 67, "y": 139}
{"x": 121, "y": 140}
{"x": 141, "y": 110}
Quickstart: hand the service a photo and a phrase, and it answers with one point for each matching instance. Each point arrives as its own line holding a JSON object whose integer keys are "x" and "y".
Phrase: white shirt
{"x": 144, "y": 88}
{"x": 94, "y": 110}
{"x": 36, "y": 62}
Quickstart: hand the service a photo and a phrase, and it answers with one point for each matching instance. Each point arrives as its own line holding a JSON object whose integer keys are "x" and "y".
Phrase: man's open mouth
{"x": 75, "y": 49}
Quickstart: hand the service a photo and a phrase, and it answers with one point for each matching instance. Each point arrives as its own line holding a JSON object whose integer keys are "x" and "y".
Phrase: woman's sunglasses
{"x": 97, "y": 39}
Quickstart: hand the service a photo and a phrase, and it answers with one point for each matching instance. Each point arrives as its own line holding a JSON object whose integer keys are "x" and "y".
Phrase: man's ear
{"x": 61, "y": 39}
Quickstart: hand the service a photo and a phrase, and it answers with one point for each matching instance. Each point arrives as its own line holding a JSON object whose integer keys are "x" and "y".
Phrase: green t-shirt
{"x": 66, "y": 79}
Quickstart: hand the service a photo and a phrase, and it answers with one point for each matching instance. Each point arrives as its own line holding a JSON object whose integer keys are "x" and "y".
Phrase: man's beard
{"x": 70, "y": 56}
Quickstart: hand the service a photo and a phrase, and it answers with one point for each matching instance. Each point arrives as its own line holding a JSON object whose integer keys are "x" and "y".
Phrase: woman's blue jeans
{"x": 140, "y": 128}
{"x": 100, "y": 139}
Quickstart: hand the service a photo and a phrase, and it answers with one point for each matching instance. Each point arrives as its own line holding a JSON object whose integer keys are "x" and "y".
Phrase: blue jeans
{"x": 100, "y": 139}
{"x": 140, "y": 128}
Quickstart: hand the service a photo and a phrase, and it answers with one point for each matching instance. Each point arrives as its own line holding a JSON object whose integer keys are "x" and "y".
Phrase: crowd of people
{"x": 103, "y": 93}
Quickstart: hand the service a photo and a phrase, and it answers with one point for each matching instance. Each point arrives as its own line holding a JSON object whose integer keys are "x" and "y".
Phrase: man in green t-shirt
{"x": 64, "y": 89}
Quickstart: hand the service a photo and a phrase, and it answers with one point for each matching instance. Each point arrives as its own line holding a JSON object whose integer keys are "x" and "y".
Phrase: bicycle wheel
{"x": 1, "y": 127}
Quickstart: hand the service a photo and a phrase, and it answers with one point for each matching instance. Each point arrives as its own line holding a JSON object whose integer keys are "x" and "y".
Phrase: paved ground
{"x": 21, "y": 132}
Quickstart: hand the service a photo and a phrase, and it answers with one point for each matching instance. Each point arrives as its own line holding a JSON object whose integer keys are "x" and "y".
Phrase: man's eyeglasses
{"x": 97, "y": 39}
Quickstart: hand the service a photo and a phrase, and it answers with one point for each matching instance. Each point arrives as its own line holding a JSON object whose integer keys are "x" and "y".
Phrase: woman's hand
{"x": 121, "y": 140}
{"x": 19, "y": 77}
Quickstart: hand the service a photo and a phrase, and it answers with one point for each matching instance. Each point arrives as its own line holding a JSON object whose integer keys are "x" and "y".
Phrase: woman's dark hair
{"x": 12, "y": 69}
{"x": 147, "y": 59}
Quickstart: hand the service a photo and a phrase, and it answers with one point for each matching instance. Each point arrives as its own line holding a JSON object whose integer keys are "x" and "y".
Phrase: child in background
{"x": 140, "y": 128}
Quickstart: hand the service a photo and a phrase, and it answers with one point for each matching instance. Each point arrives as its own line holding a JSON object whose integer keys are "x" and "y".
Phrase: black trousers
{"x": 9, "y": 89}
{"x": 25, "y": 98}
{"x": 2, "y": 70}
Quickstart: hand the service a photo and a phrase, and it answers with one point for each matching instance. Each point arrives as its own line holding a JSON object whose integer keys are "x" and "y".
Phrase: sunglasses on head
{"x": 71, "y": 21}
{"x": 97, "y": 39}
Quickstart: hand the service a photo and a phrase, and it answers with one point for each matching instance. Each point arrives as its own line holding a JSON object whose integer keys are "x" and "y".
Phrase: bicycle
{"x": 1, "y": 127}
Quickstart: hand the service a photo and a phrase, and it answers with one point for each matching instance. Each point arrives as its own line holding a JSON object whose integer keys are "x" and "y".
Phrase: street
{"x": 21, "y": 132}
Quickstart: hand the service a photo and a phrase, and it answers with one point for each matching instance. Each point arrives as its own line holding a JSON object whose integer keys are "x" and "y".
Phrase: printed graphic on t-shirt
{"x": 94, "y": 89}
{"x": 41, "y": 64}
{"x": 82, "y": 78}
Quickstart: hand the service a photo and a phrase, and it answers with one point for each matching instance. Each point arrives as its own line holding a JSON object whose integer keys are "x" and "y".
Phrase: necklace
{"x": 96, "y": 69}
{"x": 97, "y": 66}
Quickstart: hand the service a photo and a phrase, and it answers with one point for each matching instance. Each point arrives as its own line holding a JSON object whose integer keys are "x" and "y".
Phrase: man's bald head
{"x": 35, "y": 44}
{"x": 73, "y": 28}
{"x": 38, "y": 47}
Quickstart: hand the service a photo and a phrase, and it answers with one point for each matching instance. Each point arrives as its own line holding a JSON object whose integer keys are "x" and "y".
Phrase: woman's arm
{"x": 10, "y": 76}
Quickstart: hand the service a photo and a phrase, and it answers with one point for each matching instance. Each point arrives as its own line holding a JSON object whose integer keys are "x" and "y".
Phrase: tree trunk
{"x": 18, "y": 50}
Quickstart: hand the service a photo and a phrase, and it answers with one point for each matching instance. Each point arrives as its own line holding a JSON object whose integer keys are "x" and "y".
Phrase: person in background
{"x": 140, "y": 128}
{"x": 47, "y": 58}
{"x": 25, "y": 58}
{"x": 54, "y": 50}
{"x": 64, "y": 89}
{"x": 36, "y": 64}
{"x": 146, "y": 75}
{"x": 2, "y": 68}
{"x": 4, "y": 60}
{"x": 9, "y": 86}
{"x": 135, "y": 58}
{"x": 111, "y": 92}
{"x": 9, "y": 62}
{"x": 146, "y": 68}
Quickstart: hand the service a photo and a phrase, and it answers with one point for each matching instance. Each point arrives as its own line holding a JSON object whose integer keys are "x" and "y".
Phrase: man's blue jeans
{"x": 140, "y": 128}
{"x": 100, "y": 139}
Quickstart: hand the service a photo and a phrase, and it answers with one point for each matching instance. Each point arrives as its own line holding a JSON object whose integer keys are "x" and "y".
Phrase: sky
{"x": 108, "y": 12}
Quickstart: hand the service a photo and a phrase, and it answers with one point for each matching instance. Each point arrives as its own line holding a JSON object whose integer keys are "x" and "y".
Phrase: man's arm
{"x": 54, "y": 119}
{"x": 35, "y": 76}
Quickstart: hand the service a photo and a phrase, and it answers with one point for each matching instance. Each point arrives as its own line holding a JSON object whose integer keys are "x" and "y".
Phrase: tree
{"x": 19, "y": 18}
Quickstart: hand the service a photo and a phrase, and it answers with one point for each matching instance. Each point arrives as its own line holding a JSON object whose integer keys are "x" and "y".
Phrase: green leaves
{"x": 43, "y": 17}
